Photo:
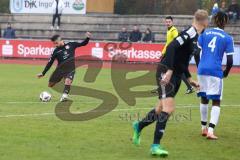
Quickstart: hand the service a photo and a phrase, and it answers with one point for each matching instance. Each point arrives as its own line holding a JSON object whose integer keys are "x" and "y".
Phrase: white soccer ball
{"x": 45, "y": 96}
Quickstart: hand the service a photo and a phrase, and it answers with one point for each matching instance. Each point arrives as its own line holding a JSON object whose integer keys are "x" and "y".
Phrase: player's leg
{"x": 57, "y": 76}
{"x": 190, "y": 89}
{"x": 54, "y": 78}
{"x": 67, "y": 87}
{"x": 152, "y": 115}
{"x": 168, "y": 107}
{"x": 150, "y": 118}
{"x": 51, "y": 84}
{"x": 204, "y": 115}
{"x": 68, "y": 82}
{"x": 215, "y": 113}
{"x": 214, "y": 93}
{"x": 203, "y": 82}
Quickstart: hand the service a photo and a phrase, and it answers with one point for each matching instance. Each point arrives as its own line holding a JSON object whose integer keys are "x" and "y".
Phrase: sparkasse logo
{"x": 137, "y": 54}
{"x": 34, "y": 51}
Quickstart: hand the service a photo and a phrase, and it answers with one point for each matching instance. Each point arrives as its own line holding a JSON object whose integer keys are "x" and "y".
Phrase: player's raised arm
{"x": 83, "y": 43}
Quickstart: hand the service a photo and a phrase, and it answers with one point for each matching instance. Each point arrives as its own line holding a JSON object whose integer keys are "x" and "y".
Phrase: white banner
{"x": 47, "y": 6}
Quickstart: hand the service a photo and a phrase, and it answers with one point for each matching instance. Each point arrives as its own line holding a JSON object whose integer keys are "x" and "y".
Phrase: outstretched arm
{"x": 48, "y": 66}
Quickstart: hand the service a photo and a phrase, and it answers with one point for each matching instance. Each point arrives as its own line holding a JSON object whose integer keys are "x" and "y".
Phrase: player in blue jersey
{"x": 214, "y": 43}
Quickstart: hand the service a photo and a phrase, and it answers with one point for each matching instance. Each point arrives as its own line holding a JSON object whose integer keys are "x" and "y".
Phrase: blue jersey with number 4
{"x": 214, "y": 43}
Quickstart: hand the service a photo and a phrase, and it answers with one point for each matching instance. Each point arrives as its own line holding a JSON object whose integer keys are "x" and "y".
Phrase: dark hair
{"x": 220, "y": 19}
{"x": 169, "y": 17}
{"x": 55, "y": 37}
{"x": 149, "y": 30}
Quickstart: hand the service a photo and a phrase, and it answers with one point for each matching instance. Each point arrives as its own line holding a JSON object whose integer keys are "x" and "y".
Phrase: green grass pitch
{"x": 31, "y": 131}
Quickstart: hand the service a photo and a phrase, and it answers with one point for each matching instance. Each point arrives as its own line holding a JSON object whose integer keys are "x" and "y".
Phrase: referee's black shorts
{"x": 170, "y": 90}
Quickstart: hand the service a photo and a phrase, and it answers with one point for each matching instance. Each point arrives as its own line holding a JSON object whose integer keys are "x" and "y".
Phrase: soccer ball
{"x": 45, "y": 96}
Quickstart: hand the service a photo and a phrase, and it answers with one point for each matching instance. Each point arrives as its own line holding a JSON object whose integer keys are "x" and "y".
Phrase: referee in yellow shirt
{"x": 172, "y": 33}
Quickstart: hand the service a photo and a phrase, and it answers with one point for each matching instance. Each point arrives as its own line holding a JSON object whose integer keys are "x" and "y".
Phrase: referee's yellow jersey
{"x": 172, "y": 33}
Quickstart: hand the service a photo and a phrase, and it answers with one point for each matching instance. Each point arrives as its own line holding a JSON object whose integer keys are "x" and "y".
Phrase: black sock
{"x": 203, "y": 123}
{"x": 160, "y": 127}
{"x": 212, "y": 125}
{"x": 67, "y": 89}
{"x": 149, "y": 119}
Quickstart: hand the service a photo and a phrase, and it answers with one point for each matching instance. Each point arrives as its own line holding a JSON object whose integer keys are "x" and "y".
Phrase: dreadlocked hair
{"x": 221, "y": 19}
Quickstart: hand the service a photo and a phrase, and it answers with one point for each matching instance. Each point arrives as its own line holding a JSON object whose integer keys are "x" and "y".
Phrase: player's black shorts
{"x": 171, "y": 89}
{"x": 57, "y": 76}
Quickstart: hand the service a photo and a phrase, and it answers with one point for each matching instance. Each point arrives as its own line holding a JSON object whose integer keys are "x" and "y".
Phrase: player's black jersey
{"x": 65, "y": 55}
{"x": 180, "y": 51}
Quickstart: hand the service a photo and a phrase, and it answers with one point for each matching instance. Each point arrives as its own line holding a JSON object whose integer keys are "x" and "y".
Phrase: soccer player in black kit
{"x": 64, "y": 53}
{"x": 169, "y": 73}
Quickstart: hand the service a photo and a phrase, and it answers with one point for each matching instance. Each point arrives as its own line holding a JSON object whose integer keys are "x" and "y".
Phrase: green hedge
{"x": 4, "y": 6}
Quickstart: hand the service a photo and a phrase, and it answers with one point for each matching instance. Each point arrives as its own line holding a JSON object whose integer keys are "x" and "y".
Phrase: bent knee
{"x": 68, "y": 81}
{"x": 216, "y": 103}
{"x": 50, "y": 85}
{"x": 204, "y": 100}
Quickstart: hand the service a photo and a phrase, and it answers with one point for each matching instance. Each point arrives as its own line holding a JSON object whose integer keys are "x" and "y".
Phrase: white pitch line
{"x": 27, "y": 115}
{"x": 34, "y": 102}
{"x": 115, "y": 110}
{"x": 54, "y": 102}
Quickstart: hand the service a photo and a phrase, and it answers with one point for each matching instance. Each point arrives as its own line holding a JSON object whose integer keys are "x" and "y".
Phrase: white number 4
{"x": 212, "y": 44}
